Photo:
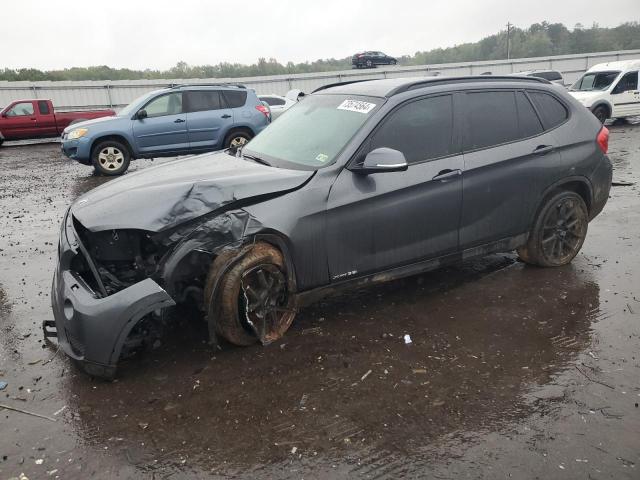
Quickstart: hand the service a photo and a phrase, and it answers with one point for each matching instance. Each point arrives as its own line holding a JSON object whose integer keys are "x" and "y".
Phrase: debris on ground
{"x": 365, "y": 375}
{"x": 407, "y": 339}
{"x": 620, "y": 183}
{"x": 3, "y": 385}
{"x": 26, "y": 412}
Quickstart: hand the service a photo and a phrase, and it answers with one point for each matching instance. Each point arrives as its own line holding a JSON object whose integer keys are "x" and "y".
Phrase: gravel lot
{"x": 513, "y": 371}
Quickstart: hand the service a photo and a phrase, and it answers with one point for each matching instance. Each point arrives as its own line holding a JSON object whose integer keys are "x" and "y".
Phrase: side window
{"x": 492, "y": 119}
{"x": 553, "y": 112}
{"x": 554, "y": 76}
{"x": 528, "y": 121}
{"x": 43, "y": 106}
{"x": 273, "y": 101}
{"x": 422, "y": 129}
{"x": 170, "y": 104}
{"x": 234, "y": 98}
{"x": 200, "y": 101}
{"x": 628, "y": 82}
{"x": 21, "y": 110}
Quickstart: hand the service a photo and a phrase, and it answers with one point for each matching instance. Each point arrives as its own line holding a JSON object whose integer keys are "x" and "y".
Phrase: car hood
{"x": 88, "y": 123}
{"x": 586, "y": 97}
{"x": 165, "y": 196}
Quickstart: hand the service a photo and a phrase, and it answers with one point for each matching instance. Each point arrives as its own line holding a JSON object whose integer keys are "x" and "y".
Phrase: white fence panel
{"x": 116, "y": 94}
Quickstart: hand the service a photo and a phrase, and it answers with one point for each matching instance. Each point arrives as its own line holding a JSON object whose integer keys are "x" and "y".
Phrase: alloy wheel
{"x": 563, "y": 232}
{"x": 237, "y": 142}
{"x": 263, "y": 300}
{"x": 111, "y": 158}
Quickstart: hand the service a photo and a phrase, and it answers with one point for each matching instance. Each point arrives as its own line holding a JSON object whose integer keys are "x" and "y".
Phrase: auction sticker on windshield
{"x": 357, "y": 106}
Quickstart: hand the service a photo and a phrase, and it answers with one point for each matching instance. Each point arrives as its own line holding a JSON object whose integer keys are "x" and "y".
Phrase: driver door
{"x": 626, "y": 97}
{"x": 164, "y": 130}
{"x": 20, "y": 121}
{"x": 387, "y": 219}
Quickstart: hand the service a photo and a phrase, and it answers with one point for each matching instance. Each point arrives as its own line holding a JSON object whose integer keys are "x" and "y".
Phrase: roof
{"x": 528, "y": 72}
{"x": 205, "y": 86}
{"x": 621, "y": 65}
{"x": 392, "y": 86}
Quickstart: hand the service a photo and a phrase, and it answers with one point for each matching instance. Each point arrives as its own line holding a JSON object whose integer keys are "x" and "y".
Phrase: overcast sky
{"x": 52, "y": 34}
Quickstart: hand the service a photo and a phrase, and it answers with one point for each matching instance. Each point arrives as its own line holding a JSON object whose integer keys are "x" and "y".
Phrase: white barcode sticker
{"x": 357, "y": 106}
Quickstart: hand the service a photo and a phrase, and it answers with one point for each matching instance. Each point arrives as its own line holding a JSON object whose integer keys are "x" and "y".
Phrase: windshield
{"x": 594, "y": 81}
{"x": 135, "y": 105}
{"x": 311, "y": 134}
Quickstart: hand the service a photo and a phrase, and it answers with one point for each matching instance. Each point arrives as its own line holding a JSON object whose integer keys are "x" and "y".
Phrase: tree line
{"x": 539, "y": 39}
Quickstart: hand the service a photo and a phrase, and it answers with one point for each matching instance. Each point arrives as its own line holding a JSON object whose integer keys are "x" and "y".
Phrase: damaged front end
{"x": 111, "y": 286}
{"x": 148, "y": 241}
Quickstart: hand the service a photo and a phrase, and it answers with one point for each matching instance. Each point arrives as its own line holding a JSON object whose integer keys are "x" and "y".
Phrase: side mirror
{"x": 383, "y": 160}
{"x": 142, "y": 114}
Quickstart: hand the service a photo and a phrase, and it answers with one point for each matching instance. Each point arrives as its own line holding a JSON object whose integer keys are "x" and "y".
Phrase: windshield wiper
{"x": 256, "y": 159}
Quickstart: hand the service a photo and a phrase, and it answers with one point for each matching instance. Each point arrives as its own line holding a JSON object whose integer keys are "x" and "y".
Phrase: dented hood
{"x": 164, "y": 196}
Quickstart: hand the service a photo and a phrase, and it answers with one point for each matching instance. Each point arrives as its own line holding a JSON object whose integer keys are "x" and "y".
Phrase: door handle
{"x": 543, "y": 149}
{"x": 226, "y": 116}
{"x": 34, "y": 119}
{"x": 447, "y": 174}
{"x": 179, "y": 120}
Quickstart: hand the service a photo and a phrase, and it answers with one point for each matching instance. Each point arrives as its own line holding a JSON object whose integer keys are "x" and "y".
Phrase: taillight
{"x": 603, "y": 139}
{"x": 263, "y": 109}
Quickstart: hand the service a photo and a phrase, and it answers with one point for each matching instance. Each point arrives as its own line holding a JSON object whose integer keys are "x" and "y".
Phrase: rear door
{"x": 382, "y": 220}
{"x": 20, "y": 121}
{"x": 164, "y": 130}
{"x": 46, "y": 119}
{"x": 208, "y": 117}
{"x": 625, "y": 96}
{"x": 505, "y": 149}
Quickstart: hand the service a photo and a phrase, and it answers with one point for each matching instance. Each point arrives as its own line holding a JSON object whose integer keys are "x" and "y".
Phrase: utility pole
{"x": 509, "y": 25}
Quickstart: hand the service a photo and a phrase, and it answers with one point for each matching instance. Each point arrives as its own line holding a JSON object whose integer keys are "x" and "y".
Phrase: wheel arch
{"x": 578, "y": 184}
{"x": 282, "y": 243}
{"x": 605, "y": 104}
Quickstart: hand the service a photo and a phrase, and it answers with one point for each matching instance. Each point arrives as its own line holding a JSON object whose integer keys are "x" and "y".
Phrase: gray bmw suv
{"x": 359, "y": 183}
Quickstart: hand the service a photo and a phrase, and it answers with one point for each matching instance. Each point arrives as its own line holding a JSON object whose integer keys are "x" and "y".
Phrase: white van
{"x": 610, "y": 90}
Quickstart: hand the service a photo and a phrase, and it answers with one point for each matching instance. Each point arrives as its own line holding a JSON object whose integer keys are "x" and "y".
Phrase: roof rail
{"x": 178, "y": 85}
{"x": 339, "y": 84}
{"x": 467, "y": 79}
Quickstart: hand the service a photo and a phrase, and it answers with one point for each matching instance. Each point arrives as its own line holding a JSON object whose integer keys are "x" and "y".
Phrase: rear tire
{"x": 240, "y": 297}
{"x": 236, "y": 139}
{"x": 601, "y": 113}
{"x": 558, "y": 233}
{"x": 110, "y": 158}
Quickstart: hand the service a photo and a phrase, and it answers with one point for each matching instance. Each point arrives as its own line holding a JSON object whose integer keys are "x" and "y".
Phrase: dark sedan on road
{"x": 372, "y": 59}
{"x": 360, "y": 183}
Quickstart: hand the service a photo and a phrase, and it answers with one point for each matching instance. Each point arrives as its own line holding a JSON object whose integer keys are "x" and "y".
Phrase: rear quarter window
{"x": 235, "y": 98}
{"x": 43, "y": 106}
{"x": 552, "y": 111}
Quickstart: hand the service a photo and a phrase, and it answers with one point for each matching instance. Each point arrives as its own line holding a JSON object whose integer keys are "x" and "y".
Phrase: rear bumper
{"x": 92, "y": 330}
{"x": 601, "y": 183}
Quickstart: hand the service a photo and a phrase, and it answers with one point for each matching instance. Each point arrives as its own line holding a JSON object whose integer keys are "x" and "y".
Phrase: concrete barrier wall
{"x": 116, "y": 94}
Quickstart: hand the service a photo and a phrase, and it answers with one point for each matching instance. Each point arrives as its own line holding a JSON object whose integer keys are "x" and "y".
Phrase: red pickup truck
{"x": 36, "y": 119}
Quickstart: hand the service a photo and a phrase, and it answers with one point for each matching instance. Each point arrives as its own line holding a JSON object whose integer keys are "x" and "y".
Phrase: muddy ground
{"x": 513, "y": 371}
